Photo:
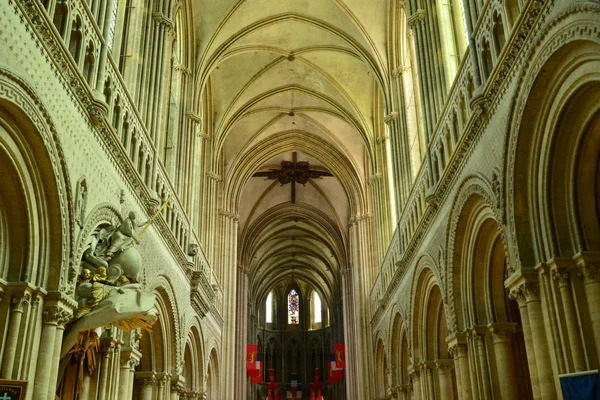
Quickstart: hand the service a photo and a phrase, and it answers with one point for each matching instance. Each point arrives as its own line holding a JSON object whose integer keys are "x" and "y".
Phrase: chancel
{"x": 317, "y": 199}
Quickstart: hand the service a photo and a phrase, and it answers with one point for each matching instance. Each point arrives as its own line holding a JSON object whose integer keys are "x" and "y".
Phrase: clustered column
{"x": 527, "y": 295}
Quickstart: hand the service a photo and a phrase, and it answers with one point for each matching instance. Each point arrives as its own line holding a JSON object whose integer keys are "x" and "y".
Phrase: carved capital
{"x": 561, "y": 275}
{"x": 416, "y": 19}
{"x": 589, "y": 272}
{"x": 376, "y": 177}
{"x": 193, "y": 117}
{"x": 229, "y": 215}
{"x": 56, "y": 315}
{"x": 20, "y": 301}
{"x": 391, "y": 117}
{"x": 501, "y": 332}
{"x": 214, "y": 176}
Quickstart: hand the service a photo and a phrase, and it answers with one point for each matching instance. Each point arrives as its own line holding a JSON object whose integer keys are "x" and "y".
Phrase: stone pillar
{"x": 457, "y": 346}
{"x": 444, "y": 370}
{"x": 478, "y": 335}
{"x": 130, "y": 358}
{"x": 177, "y": 388}
{"x": 228, "y": 262}
{"x": 516, "y": 294}
{"x": 501, "y": 336}
{"x": 589, "y": 271}
{"x": 529, "y": 293}
{"x": 58, "y": 310}
{"x": 147, "y": 382}
{"x": 19, "y": 301}
{"x": 242, "y": 323}
{"x": 108, "y": 347}
{"x": 562, "y": 276}
{"x": 415, "y": 378}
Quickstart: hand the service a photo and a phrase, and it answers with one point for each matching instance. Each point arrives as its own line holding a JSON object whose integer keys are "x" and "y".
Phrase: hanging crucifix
{"x": 292, "y": 172}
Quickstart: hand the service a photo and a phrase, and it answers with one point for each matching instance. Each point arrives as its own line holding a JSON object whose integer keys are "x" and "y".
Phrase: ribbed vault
{"x": 293, "y": 80}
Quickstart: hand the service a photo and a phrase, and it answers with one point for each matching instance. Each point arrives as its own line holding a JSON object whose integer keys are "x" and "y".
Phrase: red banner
{"x": 256, "y": 375}
{"x": 252, "y": 357}
{"x": 340, "y": 355}
{"x": 334, "y": 374}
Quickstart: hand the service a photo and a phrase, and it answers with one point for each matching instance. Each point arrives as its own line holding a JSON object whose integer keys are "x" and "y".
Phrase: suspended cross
{"x": 5, "y": 397}
{"x": 292, "y": 172}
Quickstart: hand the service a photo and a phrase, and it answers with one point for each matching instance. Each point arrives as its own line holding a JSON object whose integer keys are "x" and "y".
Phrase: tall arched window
{"x": 293, "y": 308}
{"x": 269, "y": 311}
{"x": 316, "y": 308}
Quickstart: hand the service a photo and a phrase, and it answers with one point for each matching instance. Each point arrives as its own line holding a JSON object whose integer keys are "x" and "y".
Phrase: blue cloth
{"x": 581, "y": 387}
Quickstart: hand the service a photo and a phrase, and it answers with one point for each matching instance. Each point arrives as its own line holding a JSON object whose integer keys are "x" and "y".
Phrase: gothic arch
{"x": 37, "y": 189}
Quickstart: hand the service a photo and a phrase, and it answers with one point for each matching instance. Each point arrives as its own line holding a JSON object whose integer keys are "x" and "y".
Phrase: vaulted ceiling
{"x": 288, "y": 76}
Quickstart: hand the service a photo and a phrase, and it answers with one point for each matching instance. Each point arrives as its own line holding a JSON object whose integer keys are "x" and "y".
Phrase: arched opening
{"x": 76, "y": 39}
{"x": 381, "y": 371}
{"x": 212, "y": 378}
{"x": 61, "y": 17}
{"x": 498, "y": 33}
{"x": 430, "y": 356}
{"x": 400, "y": 357}
{"x": 482, "y": 306}
{"x": 559, "y": 211}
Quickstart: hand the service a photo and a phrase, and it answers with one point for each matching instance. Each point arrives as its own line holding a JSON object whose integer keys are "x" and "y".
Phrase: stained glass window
{"x": 270, "y": 308}
{"x": 293, "y": 308}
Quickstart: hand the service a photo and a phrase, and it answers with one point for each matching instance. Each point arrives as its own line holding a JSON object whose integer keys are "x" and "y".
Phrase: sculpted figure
{"x": 124, "y": 237}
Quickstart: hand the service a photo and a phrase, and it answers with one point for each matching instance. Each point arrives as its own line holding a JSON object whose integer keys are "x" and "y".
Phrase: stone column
{"x": 415, "y": 378}
{"x": 19, "y": 301}
{"x": 501, "y": 336}
{"x": 58, "y": 310}
{"x": 478, "y": 335}
{"x": 530, "y": 294}
{"x": 516, "y": 294}
{"x": 242, "y": 323}
{"x": 108, "y": 347}
{"x": 589, "y": 271}
{"x": 562, "y": 276}
{"x": 177, "y": 388}
{"x": 228, "y": 262}
{"x": 444, "y": 370}
{"x": 147, "y": 382}
{"x": 130, "y": 358}
{"x": 457, "y": 346}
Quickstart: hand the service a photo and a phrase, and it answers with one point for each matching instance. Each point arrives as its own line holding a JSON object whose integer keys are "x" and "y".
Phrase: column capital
{"x": 457, "y": 345}
{"x": 561, "y": 275}
{"x": 20, "y": 300}
{"x": 391, "y": 117}
{"x": 525, "y": 293}
{"x": 146, "y": 378}
{"x": 416, "y": 19}
{"x": 192, "y": 116}
{"x": 588, "y": 264}
{"x": 501, "y": 332}
{"x": 444, "y": 365}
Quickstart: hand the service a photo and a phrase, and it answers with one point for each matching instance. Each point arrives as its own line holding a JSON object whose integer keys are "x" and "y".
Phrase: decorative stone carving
{"x": 81, "y": 201}
{"x": 193, "y": 249}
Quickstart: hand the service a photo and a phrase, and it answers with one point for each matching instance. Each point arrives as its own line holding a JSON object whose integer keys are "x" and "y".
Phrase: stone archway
{"x": 488, "y": 345}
